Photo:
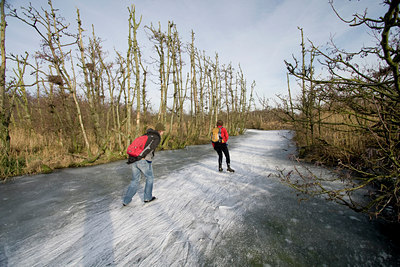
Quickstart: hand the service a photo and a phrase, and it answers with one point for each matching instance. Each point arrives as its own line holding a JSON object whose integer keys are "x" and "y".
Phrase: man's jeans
{"x": 139, "y": 167}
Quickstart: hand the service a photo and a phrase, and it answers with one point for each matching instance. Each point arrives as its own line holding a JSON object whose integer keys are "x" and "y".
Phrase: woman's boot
{"x": 230, "y": 169}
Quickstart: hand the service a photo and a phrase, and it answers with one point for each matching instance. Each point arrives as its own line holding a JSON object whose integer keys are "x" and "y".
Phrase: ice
{"x": 74, "y": 217}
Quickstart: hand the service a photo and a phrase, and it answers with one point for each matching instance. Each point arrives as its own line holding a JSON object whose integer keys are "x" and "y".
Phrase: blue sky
{"x": 257, "y": 34}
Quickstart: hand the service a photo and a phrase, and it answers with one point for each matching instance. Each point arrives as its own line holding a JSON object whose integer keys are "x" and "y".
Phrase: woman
{"x": 219, "y": 137}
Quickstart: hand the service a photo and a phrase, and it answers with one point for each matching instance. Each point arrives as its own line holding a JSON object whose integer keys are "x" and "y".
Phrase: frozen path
{"x": 74, "y": 217}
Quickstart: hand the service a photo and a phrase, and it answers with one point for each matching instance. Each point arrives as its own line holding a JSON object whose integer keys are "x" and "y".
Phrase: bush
{"x": 11, "y": 166}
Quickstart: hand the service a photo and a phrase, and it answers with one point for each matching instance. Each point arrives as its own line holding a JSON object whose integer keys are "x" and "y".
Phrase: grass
{"x": 333, "y": 140}
{"x": 34, "y": 152}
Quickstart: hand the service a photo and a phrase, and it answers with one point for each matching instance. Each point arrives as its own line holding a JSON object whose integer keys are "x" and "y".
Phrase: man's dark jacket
{"x": 153, "y": 140}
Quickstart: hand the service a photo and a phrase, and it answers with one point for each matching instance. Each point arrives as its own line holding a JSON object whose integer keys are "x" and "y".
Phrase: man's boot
{"x": 220, "y": 168}
{"x": 230, "y": 169}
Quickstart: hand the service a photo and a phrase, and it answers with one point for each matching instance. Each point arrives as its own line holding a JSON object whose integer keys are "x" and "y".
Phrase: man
{"x": 142, "y": 165}
{"x": 221, "y": 146}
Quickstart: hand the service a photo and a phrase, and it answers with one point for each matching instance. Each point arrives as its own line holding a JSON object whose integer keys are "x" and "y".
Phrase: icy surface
{"x": 74, "y": 217}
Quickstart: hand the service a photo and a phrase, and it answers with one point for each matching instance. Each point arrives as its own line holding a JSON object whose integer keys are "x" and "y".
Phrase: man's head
{"x": 160, "y": 128}
{"x": 220, "y": 123}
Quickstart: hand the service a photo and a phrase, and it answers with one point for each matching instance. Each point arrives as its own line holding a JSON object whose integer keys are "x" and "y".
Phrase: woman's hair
{"x": 220, "y": 123}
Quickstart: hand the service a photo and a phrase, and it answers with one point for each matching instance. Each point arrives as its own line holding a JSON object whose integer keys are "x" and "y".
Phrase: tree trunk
{"x": 136, "y": 58}
{"x": 4, "y": 111}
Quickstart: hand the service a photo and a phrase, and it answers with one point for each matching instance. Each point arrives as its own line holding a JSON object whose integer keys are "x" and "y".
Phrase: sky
{"x": 257, "y": 34}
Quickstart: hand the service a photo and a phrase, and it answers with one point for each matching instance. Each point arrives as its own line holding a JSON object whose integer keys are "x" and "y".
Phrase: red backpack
{"x": 137, "y": 146}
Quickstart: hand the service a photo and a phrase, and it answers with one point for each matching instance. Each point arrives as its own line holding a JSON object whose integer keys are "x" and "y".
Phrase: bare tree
{"x": 53, "y": 31}
{"x": 136, "y": 57}
{"x": 367, "y": 101}
{"x": 4, "y": 110}
{"x": 194, "y": 104}
{"x": 164, "y": 44}
{"x": 91, "y": 79}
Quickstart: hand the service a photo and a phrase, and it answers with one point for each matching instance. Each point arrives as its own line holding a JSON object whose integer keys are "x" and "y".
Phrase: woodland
{"x": 82, "y": 109}
{"x": 350, "y": 118}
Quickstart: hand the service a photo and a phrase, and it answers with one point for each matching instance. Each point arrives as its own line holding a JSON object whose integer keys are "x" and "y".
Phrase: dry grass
{"x": 40, "y": 152}
{"x": 335, "y": 139}
{"x": 44, "y": 153}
